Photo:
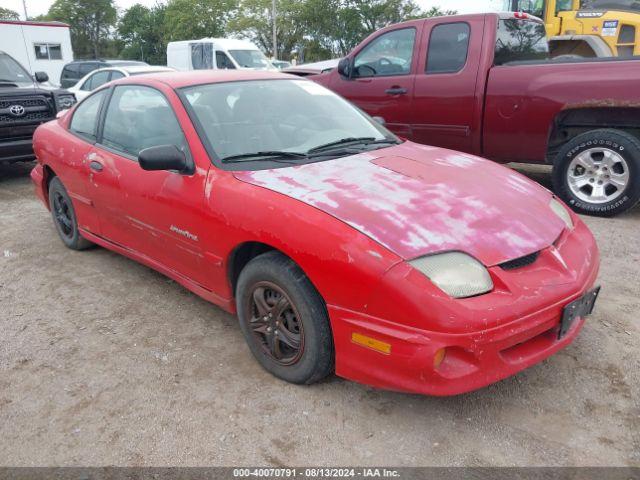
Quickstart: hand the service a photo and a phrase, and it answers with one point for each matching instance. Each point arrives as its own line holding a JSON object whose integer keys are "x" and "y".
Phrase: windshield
{"x": 285, "y": 116}
{"x": 12, "y": 72}
{"x": 251, "y": 59}
{"x": 632, "y": 5}
{"x": 532, "y": 7}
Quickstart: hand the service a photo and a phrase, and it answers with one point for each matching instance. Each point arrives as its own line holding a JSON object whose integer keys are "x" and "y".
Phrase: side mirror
{"x": 380, "y": 120}
{"x": 41, "y": 77}
{"x": 344, "y": 67}
{"x": 163, "y": 157}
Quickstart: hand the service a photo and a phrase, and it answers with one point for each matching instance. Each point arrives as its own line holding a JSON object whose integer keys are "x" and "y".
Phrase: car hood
{"x": 417, "y": 200}
{"x": 42, "y": 89}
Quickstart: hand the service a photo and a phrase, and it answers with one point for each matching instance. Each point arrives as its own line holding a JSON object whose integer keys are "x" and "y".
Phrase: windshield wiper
{"x": 352, "y": 140}
{"x": 7, "y": 81}
{"x": 267, "y": 155}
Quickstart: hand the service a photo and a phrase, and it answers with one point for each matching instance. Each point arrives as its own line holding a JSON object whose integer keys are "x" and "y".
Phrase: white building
{"x": 38, "y": 46}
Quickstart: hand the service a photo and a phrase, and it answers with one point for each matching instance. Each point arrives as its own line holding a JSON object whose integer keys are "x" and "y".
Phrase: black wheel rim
{"x": 62, "y": 214}
{"x": 275, "y": 324}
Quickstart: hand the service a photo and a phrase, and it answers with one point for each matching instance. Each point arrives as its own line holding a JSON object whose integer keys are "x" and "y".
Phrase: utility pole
{"x": 275, "y": 30}
{"x": 24, "y": 5}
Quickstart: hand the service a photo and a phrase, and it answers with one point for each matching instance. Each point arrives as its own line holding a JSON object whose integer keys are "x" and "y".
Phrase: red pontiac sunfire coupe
{"x": 340, "y": 246}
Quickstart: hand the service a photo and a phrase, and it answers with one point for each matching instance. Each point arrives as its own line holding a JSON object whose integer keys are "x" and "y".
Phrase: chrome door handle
{"x": 396, "y": 91}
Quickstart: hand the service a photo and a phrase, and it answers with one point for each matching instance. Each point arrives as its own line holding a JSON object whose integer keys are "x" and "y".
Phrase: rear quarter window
{"x": 520, "y": 41}
{"x": 85, "y": 119}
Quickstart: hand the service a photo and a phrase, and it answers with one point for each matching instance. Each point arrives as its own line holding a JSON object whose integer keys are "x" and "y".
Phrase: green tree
{"x": 254, "y": 21}
{"x": 7, "y": 14}
{"x": 191, "y": 19}
{"x": 91, "y": 23}
{"x": 141, "y": 31}
{"x": 351, "y": 21}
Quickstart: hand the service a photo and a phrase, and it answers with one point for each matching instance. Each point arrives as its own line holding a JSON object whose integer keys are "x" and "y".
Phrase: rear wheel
{"x": 64, "y": 217}
{"x": 284, "y": 320}
{"x": 598, "y": 173}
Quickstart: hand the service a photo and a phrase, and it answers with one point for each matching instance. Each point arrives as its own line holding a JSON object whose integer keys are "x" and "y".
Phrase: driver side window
{"x": 140, "y": 117}
{"x": 388, "y": 55}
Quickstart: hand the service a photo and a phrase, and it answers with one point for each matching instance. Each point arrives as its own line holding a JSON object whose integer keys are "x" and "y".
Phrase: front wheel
{"x": 598, "y": 173}
{"x": 284, "y": 320}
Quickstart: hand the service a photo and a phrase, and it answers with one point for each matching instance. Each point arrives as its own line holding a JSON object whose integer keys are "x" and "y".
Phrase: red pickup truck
{"x": 485, "y": 84}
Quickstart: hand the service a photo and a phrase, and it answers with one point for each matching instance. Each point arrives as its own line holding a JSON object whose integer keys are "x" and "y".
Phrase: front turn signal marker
{"x": 371, "y": 343}
{"x": 439, "y": 357}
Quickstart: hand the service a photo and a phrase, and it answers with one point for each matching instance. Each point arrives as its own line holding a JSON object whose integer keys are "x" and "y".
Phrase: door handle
{"x": 95, "y": 166}
{"x": 396, "y": 91}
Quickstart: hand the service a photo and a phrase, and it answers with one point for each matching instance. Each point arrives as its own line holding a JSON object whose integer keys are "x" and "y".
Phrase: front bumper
{"x": 521, "y": 330}
{"x": 39, "y": 183}
{"x": 16, "y": 150}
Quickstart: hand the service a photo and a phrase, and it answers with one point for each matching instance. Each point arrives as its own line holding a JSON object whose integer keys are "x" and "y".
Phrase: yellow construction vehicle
{"x": 587, "y": 28}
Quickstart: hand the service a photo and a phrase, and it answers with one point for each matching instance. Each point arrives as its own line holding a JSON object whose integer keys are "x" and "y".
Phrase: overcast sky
{"x": 37, "y": 7}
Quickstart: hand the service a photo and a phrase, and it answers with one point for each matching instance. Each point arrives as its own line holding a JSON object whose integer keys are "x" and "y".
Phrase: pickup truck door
{"x": 382, "y": 75}
{"x": 447, "y": 107}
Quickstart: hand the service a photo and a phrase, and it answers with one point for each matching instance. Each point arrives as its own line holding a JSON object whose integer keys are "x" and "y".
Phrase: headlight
{"x": 455, "y": 273}
{"x": 562, "y": 212}
{"x": 64, "y": 102}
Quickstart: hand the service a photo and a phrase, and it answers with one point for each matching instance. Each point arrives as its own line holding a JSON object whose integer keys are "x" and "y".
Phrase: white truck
{"x": 38, "y": 46}
{"x": 216, "y": 54}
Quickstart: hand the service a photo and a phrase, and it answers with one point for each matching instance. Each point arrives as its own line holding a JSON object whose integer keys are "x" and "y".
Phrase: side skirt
{"x": 224, "y": 303}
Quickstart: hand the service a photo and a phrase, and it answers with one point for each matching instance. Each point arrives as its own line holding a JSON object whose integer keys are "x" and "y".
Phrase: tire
{"x": 598, "y": 173}
{"x": 64, "y": 217}
{"x": 296, "y": 308}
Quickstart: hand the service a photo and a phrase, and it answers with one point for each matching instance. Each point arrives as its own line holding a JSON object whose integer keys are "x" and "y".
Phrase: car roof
{"x": 132, "y": 69}
{"x": 117, "y": 63}
{"x": 113, "y": 63}
{"x": 201, "y": 77}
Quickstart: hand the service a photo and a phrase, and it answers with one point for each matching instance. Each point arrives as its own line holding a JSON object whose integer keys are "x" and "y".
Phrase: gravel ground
{"x": 106, "y": 362}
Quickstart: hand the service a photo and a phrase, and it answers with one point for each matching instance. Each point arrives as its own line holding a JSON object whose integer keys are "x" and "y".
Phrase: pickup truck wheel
{"x": 284, "y": 320}
{"x": 64, "y": 217}
{"x": 598, "y": 173}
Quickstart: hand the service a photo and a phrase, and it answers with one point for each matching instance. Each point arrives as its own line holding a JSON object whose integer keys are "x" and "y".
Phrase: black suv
{"x": 74, "y": 71}
{"x": 23, "y": 106}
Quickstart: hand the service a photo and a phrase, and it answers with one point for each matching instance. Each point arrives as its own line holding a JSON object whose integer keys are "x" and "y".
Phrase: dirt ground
{"x": 106, "y": 362}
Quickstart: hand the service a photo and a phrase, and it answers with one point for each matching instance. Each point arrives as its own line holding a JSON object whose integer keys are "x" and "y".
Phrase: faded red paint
{"x": 418, "y": 200}
{"x": 349, "y": 224}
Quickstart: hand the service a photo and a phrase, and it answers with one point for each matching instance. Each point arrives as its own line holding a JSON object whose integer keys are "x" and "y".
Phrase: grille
{"x": 37, "y": 109}
{"x": 520, "y": 262}
{"x": 27, "y": 117}
{"x": 25, "y": 102}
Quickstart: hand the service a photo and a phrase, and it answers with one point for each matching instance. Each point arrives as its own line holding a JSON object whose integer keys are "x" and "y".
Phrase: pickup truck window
{"x": 625, "y": 5}
{"x": 520, "y": 40}
{"x": 448, "y": 48}
{"x": 389, "y": 54}
{"x": 11, "y": 72}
